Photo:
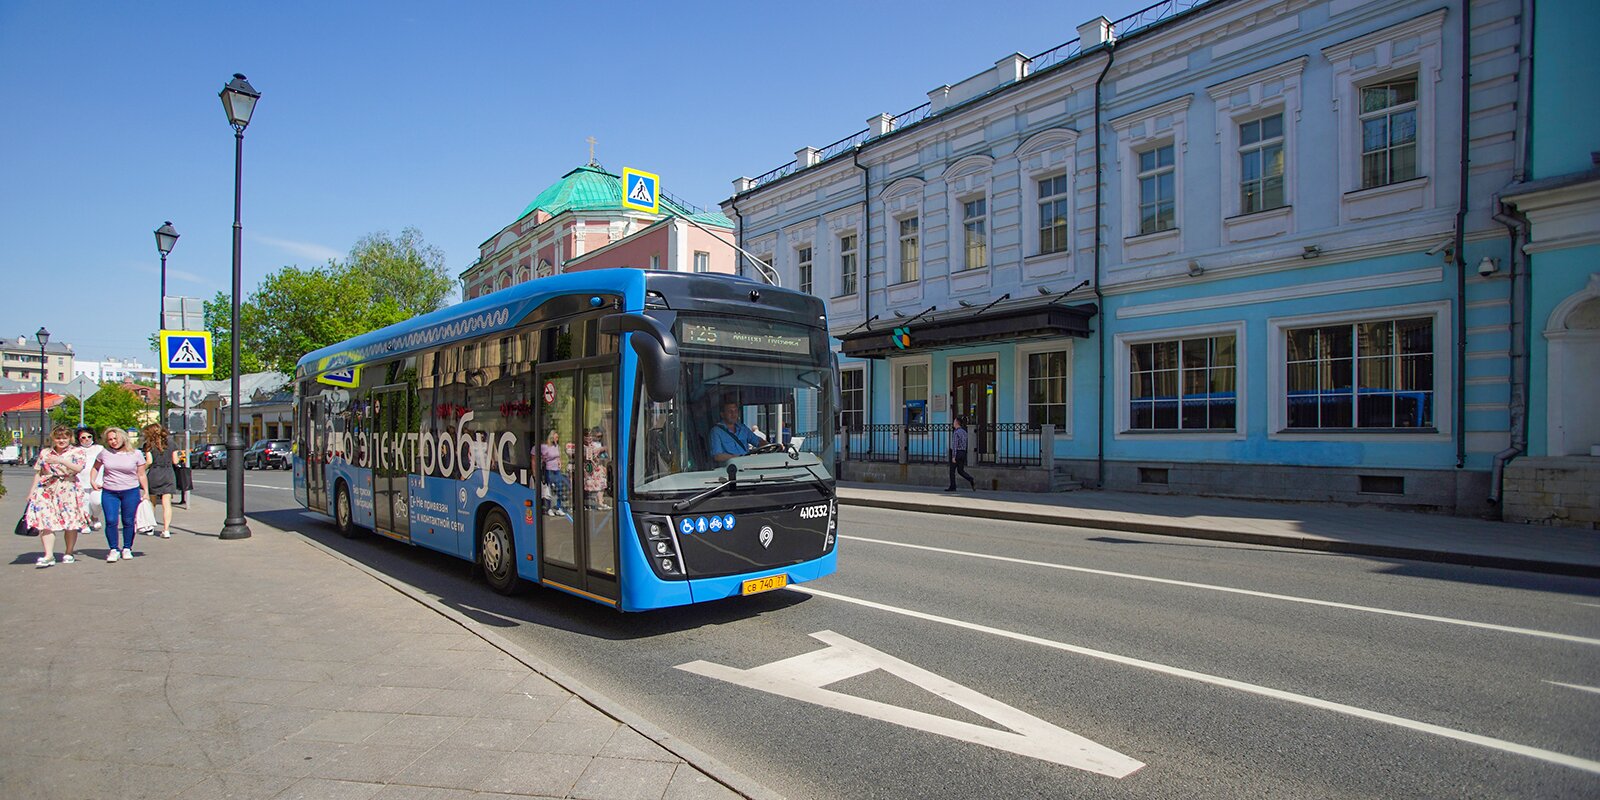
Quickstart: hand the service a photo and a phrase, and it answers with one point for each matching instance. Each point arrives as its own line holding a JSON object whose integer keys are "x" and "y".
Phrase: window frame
{"x": 860, "y": 375}
{"x": 702, "y": 261}
{"x": 849, "y": 263}
{"x": 1443, "y": 375}
{"x": 1258, "y": 148}
{"x": 1155, "y": 174}
{"x": 804, "y": 256}
{"x": 1241, "y": 381}
{"x": 897, "y": 389}
{"x": 914, "y": 273}
{"x": 1388, "y": 113}
{"x": 1062, "y": 195}
{"x": 1025, "y": 378}
{"x": 967, "y": 222}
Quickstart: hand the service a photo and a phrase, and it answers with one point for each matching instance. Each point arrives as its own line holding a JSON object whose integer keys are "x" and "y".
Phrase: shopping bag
{"x": 144, "y": 519}
{"x": 184, "y": 478}
{"x": 97, "y": 513}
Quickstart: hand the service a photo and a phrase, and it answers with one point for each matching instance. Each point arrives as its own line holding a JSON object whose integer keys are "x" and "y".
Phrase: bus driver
{"x": 730, "y": 437}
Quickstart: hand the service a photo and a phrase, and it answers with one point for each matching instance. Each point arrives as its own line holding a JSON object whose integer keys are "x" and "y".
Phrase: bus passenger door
{"x": 313, "y": 437}
{"x": 577, "y": 523}
{"x": 390, "y": 470}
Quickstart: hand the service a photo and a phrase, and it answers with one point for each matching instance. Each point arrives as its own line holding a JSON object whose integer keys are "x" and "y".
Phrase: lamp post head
{"x": 239, "y": 100}
{"x": 166, "y": 237}
{"x": 43, "y": 336}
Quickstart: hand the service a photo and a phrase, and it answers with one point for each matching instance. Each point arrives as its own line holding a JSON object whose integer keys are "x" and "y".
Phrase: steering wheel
{"x": 770, "y": 447}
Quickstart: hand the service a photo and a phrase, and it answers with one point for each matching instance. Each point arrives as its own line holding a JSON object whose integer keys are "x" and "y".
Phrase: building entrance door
{"x": 972, "y": 395}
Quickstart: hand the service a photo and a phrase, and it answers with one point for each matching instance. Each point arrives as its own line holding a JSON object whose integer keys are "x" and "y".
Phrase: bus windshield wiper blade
{"x": 732, "y": 481}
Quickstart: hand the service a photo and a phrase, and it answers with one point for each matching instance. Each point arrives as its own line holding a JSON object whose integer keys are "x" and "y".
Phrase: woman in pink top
{"x": 119, "y": 474}
{"x": 550, "y": 454}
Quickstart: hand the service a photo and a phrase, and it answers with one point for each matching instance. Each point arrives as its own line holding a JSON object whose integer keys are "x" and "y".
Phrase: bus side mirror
{"x": 656, "y": 347}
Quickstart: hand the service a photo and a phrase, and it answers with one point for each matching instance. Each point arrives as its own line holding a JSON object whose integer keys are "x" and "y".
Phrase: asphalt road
{"x": 1224, "y": 670}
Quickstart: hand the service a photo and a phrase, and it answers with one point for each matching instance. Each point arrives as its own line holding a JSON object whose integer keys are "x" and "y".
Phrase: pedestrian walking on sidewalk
{"x": 958, "y": 454}
{"x": 119, "y": 474}
{"x": 91, "y": 498}
{"x": 159, "y": 474}
{"x": 554, "y": 479}
{"x": 54, "y": 501}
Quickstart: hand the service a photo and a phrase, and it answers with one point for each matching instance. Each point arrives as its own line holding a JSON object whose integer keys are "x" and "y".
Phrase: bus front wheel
{"x": 343, "y": 517}
{"x": 497, "y": 554}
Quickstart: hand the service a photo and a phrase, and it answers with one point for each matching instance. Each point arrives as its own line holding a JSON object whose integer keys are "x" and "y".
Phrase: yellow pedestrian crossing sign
{"x": 186, "y": 352}
{"x": 641, "y": 191}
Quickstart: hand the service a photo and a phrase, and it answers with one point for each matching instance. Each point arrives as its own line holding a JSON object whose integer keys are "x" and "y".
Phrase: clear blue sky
{"x": 448, "y": 117}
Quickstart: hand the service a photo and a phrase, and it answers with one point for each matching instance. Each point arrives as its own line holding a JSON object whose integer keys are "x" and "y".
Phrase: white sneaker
{"x": 127, "y": 552}
{"x": 44, "y": 561}
{"x": 68, "y": 559}
{"x": 166, "y": 534}
{"x": 112, "y": 557}
{"x": 98, "y": 525}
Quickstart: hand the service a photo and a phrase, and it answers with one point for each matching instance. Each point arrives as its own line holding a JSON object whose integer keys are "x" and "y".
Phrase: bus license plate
{"x": 766, "y": 584}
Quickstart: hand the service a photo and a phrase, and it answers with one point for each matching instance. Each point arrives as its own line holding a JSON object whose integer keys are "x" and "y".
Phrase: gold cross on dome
{"x": 591, "y": 150}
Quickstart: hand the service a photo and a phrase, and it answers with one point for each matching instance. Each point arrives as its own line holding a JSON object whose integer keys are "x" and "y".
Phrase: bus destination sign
{"x": 741, "y": 335}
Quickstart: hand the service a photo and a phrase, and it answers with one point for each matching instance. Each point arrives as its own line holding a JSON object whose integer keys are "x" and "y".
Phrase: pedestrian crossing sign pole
{"x": 186, "y": 352}
{"x": 641, "y": 191}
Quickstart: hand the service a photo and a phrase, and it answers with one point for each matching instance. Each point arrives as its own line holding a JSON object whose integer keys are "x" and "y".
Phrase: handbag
{"x": 184, "y": 477}
{"x": 144, "y": 518}
{"x": 22, "y": 527}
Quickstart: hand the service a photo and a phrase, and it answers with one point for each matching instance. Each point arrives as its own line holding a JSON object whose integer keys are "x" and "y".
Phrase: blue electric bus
{"x": 562, "y": 432}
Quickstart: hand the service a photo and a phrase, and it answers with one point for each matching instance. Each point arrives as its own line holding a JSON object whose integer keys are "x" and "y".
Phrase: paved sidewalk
{"x": 1342, "y": 529}
{"x": 272, "y": 668}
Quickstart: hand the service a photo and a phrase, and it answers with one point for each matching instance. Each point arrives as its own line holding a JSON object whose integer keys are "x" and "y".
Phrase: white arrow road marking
{"x": 1580, "y": 688}
{"x": 802, "y": 678}
{"x": 1565, "y": 637}
{"x": 1587, "y": 765}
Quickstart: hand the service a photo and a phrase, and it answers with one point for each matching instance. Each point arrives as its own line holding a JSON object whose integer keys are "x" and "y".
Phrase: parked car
{"x": 209, "y": 456}
{"x": 268, "y": 454}
{"x": 10, "y": 454}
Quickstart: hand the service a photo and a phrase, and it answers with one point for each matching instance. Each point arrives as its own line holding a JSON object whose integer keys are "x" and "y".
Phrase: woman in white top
{"x": 91, "y": 497}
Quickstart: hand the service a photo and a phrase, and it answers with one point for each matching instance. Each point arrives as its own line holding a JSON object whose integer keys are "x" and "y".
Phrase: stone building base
{"x": 1562, "y": 491}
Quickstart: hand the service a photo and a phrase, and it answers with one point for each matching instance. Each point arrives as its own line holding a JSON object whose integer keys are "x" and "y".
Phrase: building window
{"x": 847, "y": 264}
{"x": 1361, "y": 375}
{"x": 1261, "y": 164}
{"x": 910, "y": 250}
{"x": 803, "y": 257}
{"x": 1053, "y": 212}
{"x": 1047, "y": 389}
{"x": 1388, "y": 133}
{"x": 853, "y": 399}
{"x": 1157, "y": 190}
{"x": 655, "y": 262}
{"x": 975, "y": 222}
{"x": 702, "y": 261}
{"x": 1183, "y": 384}
{"x": 914, "y": 394}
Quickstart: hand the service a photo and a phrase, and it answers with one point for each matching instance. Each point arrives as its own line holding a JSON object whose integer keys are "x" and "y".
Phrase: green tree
{"x": 112, "y": 405}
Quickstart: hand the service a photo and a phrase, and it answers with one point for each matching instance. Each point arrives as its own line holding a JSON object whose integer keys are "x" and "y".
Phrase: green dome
{"x": 591, "y": 188}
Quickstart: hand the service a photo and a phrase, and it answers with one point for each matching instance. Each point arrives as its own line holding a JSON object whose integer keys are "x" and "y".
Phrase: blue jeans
{"x": 559, "y": 486}
{"x": 120, "y": 504}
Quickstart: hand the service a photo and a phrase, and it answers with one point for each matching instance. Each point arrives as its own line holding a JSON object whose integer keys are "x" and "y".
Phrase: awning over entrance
{"x": 960, "y": 327}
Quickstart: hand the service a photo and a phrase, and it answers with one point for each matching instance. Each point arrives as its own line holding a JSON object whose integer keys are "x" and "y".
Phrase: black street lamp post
{"x": 44, "y": 365}
{"x": 239, "y": 100}
{"x": 166, "y": 237}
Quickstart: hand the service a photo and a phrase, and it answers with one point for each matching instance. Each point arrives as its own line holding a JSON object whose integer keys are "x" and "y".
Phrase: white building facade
{"x": 1286, "y": 281}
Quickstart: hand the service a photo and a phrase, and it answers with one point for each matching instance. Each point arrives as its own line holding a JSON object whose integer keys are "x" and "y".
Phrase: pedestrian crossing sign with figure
{"x": 641, "y": 191}
{"x": 186, "y": 352}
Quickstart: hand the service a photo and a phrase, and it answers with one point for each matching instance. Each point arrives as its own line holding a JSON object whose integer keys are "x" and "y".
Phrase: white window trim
{"x": 1443, "y": 373}
{"x": 1241, "y": 382}
{"x": 966, "y": 180}
{"x": 866, "y": 410}
{"x": 695, "y": 261}
{"x": 1034, "y": 221}
{"x": 838, "y": 261}
{"x": 897, "y": 390}
{"x": 960, "y": 229}
{"x": 795, "y": 250}
{"x": 1414, "y": 47}
{"x": 1245, "y": 99}
{"x": 1142, "y": 130}
{"x": 1020, "y": 404}
{"x": 1046, "y": 155}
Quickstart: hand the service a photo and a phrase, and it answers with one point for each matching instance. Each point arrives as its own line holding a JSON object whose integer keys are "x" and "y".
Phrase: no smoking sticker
{"x": 549, "y": 392}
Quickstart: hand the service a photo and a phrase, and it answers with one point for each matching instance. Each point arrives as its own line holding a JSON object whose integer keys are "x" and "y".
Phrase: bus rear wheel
{"x": 343, "y": 516}
{"x": 497, "y": 554}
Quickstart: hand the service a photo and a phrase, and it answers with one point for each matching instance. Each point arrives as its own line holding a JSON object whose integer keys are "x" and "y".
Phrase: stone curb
{"x": 1066, "y": 518}
{"x": 736, "y": 781}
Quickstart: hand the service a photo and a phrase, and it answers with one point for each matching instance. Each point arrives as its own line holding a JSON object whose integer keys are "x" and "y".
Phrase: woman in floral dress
{"x": 55, "y": 503}
{"x": 594, "y": 469}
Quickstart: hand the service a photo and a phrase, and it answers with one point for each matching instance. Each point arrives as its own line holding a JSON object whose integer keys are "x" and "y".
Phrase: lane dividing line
{"x": 1550, "y": 756}
{"x": 252, "y": 485}
{"x": 1565, "y": 637}
{"x": 1580, "y": 688}
{"x": 1591, "y": 605}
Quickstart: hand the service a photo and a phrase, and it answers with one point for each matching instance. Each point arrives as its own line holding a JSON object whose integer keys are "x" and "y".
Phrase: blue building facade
{"x": 1230, "y": 247}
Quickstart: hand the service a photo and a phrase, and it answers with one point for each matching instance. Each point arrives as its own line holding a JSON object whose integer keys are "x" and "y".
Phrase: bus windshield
{"x": 755, "y": 395}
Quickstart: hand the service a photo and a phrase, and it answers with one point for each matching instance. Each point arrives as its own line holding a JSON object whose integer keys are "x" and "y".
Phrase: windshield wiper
{"x": 732, "y": 481}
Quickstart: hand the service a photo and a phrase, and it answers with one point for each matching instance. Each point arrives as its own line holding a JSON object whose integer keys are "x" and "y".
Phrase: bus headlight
{"x": 661, "y": 544}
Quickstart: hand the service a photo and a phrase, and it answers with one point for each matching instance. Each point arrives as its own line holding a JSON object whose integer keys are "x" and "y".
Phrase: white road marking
{"x": 1591, "y": 605}
{"x": 804, "y": 676}
{"x": 1551, "y": 756}
{"x": 251, "y": 485}
{"x": 1565, "y": 637}
{"x": 1580, "y": 688}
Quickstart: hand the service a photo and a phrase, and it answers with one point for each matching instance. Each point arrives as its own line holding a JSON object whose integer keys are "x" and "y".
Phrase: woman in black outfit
{"x": 163, "y": 481}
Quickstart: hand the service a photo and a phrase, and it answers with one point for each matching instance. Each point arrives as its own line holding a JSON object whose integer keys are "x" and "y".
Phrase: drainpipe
{"x": 866, "y": 265}
{"x": 1517, "y": 230}
{"x": 1460, "y": 239}
{"x": 1099, "y": 296}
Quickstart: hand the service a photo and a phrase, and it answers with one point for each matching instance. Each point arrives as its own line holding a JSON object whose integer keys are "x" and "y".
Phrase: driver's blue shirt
{"x": 736, "y": 442}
